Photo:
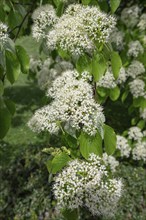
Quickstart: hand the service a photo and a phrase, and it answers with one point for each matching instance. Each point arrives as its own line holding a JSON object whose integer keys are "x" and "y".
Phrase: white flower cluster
{"x": 139, "y": 151}
{"x": 88, "y": 184}
{"x": 79, "y": 28}
{"x": 123, "y": 146}
{"x": 143, "y": 113}
{"x": 3, "y": 34}
{"x": 142, "y": 22}
{"x": 47, "y": 74}
{"x": 110, "y": 161}
{"x": 135, "y": 69}
{"x": 135, "y": 48}
{"x": 108, "y": 81}
{"x": 43, "y": 17}
{"x": 72, "y": 104}
{"x": 135, "y": 133}
{"x": 117, "y": 38}
{"x": 130, "y": 16}
{"x": 35, "y": 64}
{"x": 137, "y": 88}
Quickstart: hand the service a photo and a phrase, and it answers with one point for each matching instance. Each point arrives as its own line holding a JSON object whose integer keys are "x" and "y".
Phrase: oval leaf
{"x": 23, "y": 58}
{"x": 109, "y": 140}
{"x": 114, "y": 93}
{"x": 5, "y": 122}
{"x": 59, "y": 161}
{"x": 99, "y": 67}
{"x": 90, "y": 144}
{"x": 12, "y": 67}
{"x": 116, "y": 63}
{"x": 114, "y": 5}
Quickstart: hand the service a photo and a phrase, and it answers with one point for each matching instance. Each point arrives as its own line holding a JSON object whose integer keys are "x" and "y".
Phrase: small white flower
{"x": 135, "y": 69}
{"x": 107, "y": 80}
{"x": 122, "y": 76}
{"x": 117, "y": 38}
{"x": 135, "y": 133}
{"x": 43, "y": 17}
{"x": 123, "y": 146}
{"x": 139, "y": 151}
{"x": 142, "y": 22}
{"x": 135, "y": 48}
{"x": 143, "y": 113}
{"x": 3, "y": 34}
{"x": 130, "y": 16}
{"x": 137, "y": 88}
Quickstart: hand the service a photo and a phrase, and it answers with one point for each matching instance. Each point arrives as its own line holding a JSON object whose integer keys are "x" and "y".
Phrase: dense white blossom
{"x": 134, "y": 48}
{"x": 73, "y": 103}
{"x": 143, "y": 113}
{"x": 3, "y": 34}
{"x": 139, "y": 151}
{"x": 35, "y": 65}
{"x": 135, "y": 69}
{"x": 110, "y": 161}
{"x": 135, "y": 133}
{"x": 130, "y": 16}
{"x": 47, "y": 74}
{"x": 142, "y": 22}
{"x": 123, "y": 146}
{"x": 107, "y": 80}
{"x": 88, "y": 184}
{"x": 79, "y": 28}
{"x": 122, "y": 76}
{"x": 117, "y": 38}
{"x": 43, "y": 17}
{"x": 137, "y": 88}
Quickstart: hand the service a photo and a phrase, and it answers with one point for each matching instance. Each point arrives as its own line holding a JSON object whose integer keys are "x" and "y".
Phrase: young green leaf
{"x": 59, "y": 161}
{"x": 83, "y": 63}
{"x": 114, "y": 5}
{"x": 114, "y": 93}
{"x": 1, "y": 88}
{"x": 99, "y": 66}
{"x": 12, "y": 67}
{"x": 5, "y": 121}
{"x": 86, "y": 2}
{"x": 109, "y": 140}
{"x": 116, "y": 63}
{"x": 10, "y": 106}
{"x": 23, "y": 58}
{"x": 90, "y": 144}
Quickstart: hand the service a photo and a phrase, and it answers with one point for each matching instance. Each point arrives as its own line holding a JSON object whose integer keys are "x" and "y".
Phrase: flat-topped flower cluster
{"x": 88, "y": 184}
{"x": 76, "y": 31}
{"x": 73, "y": 104}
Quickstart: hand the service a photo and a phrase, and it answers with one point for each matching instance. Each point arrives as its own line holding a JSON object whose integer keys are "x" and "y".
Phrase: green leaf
{"x": 12, "y": 67}
{"x": 124, "y": 95}
{"x": 1, "y": 88}
{"x": 83, "y": 63}
{"x": 69, "y": 140}
{"x": 59, "y": 161}
{"x": 141, "y": 124}
{"x": 116, "y": 63}
{"x": 99, "y": 66}
{"x": 10, "y": 106}
{"x": 86, "y": 2}
{"x": 109, "y": 140}
{"x": 114, "y": 93}
{"x": 23, "y": 58}
{"x": 90, "y": 144}
{"x": 139, "y": 102}
{"x": 114, "y": 5}
{"x": 70, "y": 214}
{"x": 5, "y": 121}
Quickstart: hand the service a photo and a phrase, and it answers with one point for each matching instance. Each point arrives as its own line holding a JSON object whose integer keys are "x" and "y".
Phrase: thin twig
{"x": 21, "y": 24}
